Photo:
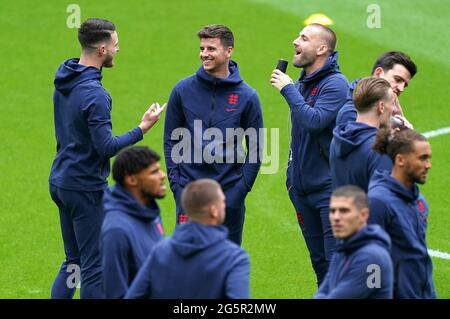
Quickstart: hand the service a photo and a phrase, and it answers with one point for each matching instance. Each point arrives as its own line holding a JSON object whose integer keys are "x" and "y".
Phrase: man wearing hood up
{"x": 197, "y": 261}
{"x": 132, "y": 224}
{"x": 361, "y": 267}
{"x": 84, "y": 145}
{"x": 397, "y": 205}
{"x": 207, "y": 115}
{"x": 314, "y": 100}
{"x": 352, "y": 160}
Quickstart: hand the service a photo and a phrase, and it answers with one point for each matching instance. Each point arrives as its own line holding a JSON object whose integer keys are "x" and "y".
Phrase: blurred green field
{"x": 158, "y": 47}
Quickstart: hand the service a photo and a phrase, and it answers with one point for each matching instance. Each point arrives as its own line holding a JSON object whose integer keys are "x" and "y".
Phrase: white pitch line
{"x": 438, "y": 254}
{"x": 441, "y": 131}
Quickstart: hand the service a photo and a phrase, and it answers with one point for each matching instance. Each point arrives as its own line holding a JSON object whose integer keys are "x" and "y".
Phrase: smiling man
{"x": 217, "y": 97}
{"x": 361, "y": 266}
{"x": 314, "y": 101}
{"x": 132, "y": 223}
{"x": 397, "y": 205}
{"x": 395, "y": 67}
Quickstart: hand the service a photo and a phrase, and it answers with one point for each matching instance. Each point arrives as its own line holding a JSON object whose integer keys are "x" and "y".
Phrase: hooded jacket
{"x": 314, "y": 101}
{"x": 360, "y": 260}
{"x": 84, "y": 141}
{"x": 202, "y": 102}
{"x": 129, "y": 232}
{"x": 403, "y": 214}
{"x": 348, "y": 112}
{"x": 352, "y": 160}
{"x": 197, "y": 262}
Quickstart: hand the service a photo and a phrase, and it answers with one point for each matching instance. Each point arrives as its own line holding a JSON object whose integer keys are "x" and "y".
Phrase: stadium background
{"x": 158, "y": 47}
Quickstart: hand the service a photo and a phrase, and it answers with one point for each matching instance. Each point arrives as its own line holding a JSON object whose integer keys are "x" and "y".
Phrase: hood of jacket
{"x": 233, "y": 79}
{"x": 70, "y": 74}
{"x": 351, "y": 135}
{"x": 384, "y": 179}
{"x": 120, "y": 199}
{"x": 369, "y": 234}
{"x": 331, "y": 66}
{"x": 191, "y": 238}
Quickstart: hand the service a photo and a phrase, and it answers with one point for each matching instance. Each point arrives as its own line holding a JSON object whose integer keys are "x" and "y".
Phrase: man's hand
{"x": 151, "y": 116}
{"x": 397, "y": 108}
{"x": 280, "y": 80}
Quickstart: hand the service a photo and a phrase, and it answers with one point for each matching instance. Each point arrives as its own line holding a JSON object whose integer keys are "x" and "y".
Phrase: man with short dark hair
{"x": 352, "y": 160}
{"x": 212, "y": 111}
{"x": 84, "y": 145}
{"x": 198, "y": 261}
{"x": 314, "y": 101}
{"x": 395, "y": 67}
{"x": 398, "y": 207}
{"x": 361, "y": 267}
{"x": 132, "y": 224}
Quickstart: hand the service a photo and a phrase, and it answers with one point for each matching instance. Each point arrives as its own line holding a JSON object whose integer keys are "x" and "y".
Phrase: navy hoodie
{"x": 348, "y": 112}
{"x": 84, "y": 141}
{"x": 197, "y": 262}
{"x": 129, "y": 232}
{"x": 218, "y": 103}
{"x": 352, "y": 160}
{"x": 403, "y": 214}
{"x": 361, "y": 259}
{"x": 314, "y": 101}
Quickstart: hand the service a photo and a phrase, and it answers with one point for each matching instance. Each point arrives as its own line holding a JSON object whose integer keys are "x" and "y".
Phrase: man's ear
{"x": 400, "y": 160}
{"x": 322, "y": 49}
{"x": 365, "y": 214}
{"x": 213, "y": 211}
{"x": 130, "y": 180}
{"x": 381, "y": 107}
{"x": 230, "y": 52}
{"x": 378, "y": 71}
{"x": 101, "y": 50}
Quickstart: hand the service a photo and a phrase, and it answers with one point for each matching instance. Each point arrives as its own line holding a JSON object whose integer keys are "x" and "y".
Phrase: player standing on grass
{"x": 314, "y": 100}
{"x": 84, "y": 145}
{"x": 397, "y": 205}
{"x": 213, "y": 102}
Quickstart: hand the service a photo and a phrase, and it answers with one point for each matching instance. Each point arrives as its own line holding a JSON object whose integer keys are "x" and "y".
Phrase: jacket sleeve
{"x": 115, "y": 250}
{"x": 324, "y": 288}
{"x": 98, "y": 114}
{"x": 174, "y": 119}
{"x": 378, "y": 213}
{"x": 253, "y": 119}
{"x": 237, "y": 283}
{"x": 315, "y": 119}
{"x": 141, "y": 286}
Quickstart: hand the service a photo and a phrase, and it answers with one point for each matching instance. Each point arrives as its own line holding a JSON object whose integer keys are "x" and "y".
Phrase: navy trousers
{"x": 234, "y": 214}
{"x": 313, "y": 218}
{"x": 81, "y": 217}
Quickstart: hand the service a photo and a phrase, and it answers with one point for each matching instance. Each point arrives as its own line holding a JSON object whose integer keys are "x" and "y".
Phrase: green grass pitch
{"x": 158, "y": 48}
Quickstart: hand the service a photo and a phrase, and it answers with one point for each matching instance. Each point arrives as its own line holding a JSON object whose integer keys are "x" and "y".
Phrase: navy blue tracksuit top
{"x": 352, "y": 160}
{"x": 222, "y": 104}
{"x": 82, "y": 115}
{"x": 129, "y": 232}
{"x": 197, "y": 262}
{"x": 314, "y": 101}
{"x": 403, "y": 214}
{"x": 357, "y": 258}
{"x": 348, "y": 112}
